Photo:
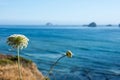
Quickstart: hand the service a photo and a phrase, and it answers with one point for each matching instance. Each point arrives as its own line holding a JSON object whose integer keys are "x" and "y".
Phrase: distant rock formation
{"x": 9, "y": 69}
{"x": 49, "y": 24}
{"x": 109, "y": 25}
{"x": 93, "y": 24}
{"x": 119, "y": 25}
{"x": 85, "y": 25}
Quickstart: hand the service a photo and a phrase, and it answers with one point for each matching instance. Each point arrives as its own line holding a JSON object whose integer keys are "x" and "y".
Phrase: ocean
{"x": 96, "y": 50}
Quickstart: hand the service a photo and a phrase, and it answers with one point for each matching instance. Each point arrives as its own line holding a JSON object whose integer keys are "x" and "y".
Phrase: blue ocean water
{"x": 96, "y": 50}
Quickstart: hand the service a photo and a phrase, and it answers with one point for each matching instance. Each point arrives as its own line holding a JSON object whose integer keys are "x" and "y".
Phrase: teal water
{"x": 96, "y": 50}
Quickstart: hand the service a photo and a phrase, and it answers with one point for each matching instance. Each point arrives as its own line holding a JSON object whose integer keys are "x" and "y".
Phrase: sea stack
{"x": 119, "y": 25}
{"x": 49, "y": 24}
{"x": 109, "y": 25}
{"x": 93, "y": 24}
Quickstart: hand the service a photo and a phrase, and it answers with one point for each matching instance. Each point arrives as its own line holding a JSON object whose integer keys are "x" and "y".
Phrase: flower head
{"x": 69, "y": 54}
{"x": 17, "y": 40}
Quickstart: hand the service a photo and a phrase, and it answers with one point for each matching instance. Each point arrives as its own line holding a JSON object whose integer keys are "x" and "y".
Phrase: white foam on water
{"x": 115, "y": 71}
{"x": 37, "y": 55}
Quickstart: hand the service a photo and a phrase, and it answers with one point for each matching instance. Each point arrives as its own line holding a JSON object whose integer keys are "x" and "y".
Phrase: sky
{"x": 59, "y": 11}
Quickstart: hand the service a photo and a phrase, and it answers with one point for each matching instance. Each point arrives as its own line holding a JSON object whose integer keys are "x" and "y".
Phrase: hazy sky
{"x": 59, "y": 11}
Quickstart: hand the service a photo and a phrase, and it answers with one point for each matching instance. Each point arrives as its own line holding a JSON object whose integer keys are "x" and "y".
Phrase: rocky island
{"x": 9, "y": 69}
{"x": 49, "y": 24}
{"x": 109, "y": 25}
{"x": 93, "y": 24}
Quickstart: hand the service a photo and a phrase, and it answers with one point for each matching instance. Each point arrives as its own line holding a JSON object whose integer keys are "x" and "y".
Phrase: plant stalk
{"x": 19, "y": 71}
{"x": 51, "y": 68}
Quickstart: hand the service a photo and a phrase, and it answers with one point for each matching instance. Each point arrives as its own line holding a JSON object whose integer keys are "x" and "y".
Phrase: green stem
{"x": 20, "y": 76}
{"x": 51, "y": 68}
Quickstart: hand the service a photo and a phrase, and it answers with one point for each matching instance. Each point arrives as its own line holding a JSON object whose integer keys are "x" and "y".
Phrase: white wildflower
{"x": 18, "y": 40}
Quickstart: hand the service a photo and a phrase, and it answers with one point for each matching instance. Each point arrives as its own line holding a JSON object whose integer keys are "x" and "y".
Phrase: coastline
{"x": 9, "y": 69}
